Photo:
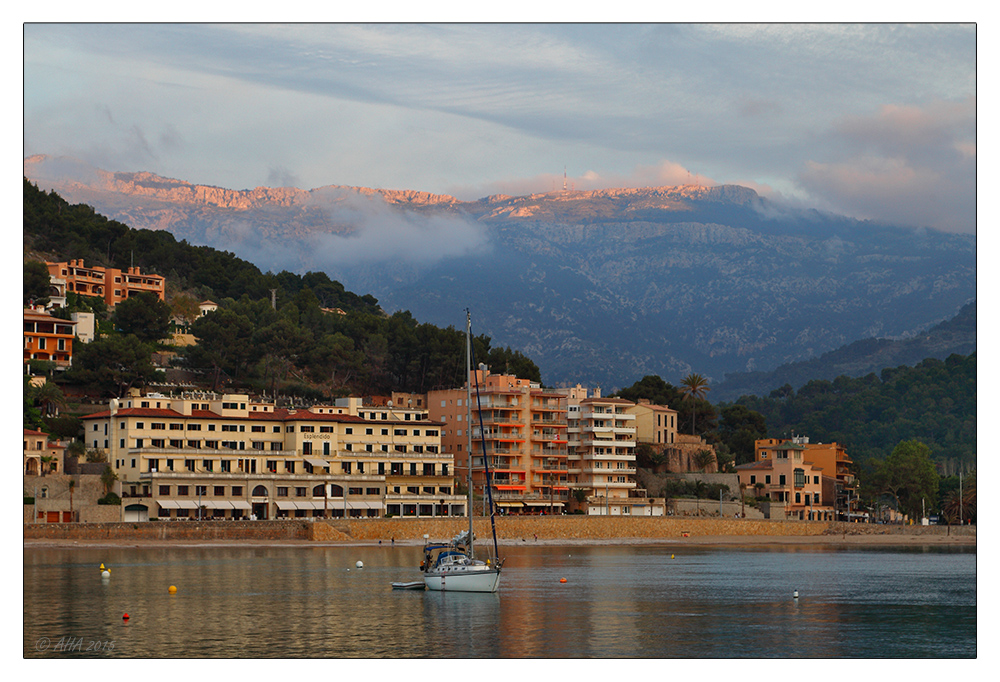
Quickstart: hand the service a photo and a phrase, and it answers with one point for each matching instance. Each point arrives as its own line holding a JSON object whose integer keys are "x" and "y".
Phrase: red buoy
{"x": 125, "y": 617}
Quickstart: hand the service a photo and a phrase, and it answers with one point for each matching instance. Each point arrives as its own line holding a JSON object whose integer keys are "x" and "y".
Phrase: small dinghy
{"x": 416, "y": 585}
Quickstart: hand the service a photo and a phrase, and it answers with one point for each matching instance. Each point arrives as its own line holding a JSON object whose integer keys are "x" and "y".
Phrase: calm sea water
{"x": 635, "y": 602}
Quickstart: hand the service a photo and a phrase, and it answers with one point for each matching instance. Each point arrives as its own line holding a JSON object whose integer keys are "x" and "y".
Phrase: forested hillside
{"x": 295, "y": 347}
{"x": 933, "y": 402}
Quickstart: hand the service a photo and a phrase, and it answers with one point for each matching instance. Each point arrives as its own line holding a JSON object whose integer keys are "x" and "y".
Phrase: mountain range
{"x": 597, "y": 287}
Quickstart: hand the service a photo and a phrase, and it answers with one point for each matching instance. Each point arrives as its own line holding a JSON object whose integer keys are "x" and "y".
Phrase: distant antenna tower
{"x": 564, "y": 178}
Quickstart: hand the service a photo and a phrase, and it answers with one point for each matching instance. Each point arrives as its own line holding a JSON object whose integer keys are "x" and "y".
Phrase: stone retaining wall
{"x": 509, "y": 528}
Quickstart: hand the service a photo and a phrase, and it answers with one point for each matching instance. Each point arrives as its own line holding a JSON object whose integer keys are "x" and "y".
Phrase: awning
{"x": 215, "y": 504}
{"x": 177, "y": 504}
{"x": 240, "y": 504}
{"x": 544, "y": 504}
{"x": 509, "y": 487}
{"x": 317, "y": 462}
{"x": 509, "y": 504}
{"x": 559, "y": 487}
{"x": 285, "y": 505}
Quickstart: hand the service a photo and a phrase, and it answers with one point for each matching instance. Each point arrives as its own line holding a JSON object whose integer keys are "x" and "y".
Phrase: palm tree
{"x": 694, "y": 387}
{"x": 49, "y": 398}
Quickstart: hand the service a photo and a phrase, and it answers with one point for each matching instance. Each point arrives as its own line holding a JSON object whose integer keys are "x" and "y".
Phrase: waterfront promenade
{"x": 510, "y": 529}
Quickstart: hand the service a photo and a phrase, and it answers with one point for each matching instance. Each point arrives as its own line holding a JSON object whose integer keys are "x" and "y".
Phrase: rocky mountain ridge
{"x": 601, "y": 287}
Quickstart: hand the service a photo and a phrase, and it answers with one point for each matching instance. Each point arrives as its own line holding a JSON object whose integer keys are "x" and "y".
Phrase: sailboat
{"x": 452, "y": 566}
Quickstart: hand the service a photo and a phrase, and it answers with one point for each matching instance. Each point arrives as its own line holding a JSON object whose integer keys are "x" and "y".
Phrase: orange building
{"x": 832, "y": 458}
{"x": 524, "y": 428}
{"x": 783, "y": 474}
{"x": 111, "y": 284}
{"x": 48, "y": 338}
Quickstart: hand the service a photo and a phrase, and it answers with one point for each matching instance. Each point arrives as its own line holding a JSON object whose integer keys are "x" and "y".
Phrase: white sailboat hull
{"x": 458, "y": 580}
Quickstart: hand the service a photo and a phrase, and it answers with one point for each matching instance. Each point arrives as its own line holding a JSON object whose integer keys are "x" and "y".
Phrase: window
{"x": 229, "y": 427}
{"x": 206, "y": 464}
{"x": 373, "y": 491}
{"x": 138, "y": 425}
{"x": 306, "y": 429}
{"x": 753, "y": 479}
{"x": 413, "y": 468}
{"x": 225, "y": 466}
{"x": 237, "y": 490}
{"x": 176, "y": 443}
{"x": 211, "y": 427}
{"x": 194, "y": 427}
{"x": 256, "y": 429}
{"x": 431, "y": 432}
{"x": 329, "y": 429}
{"x": 176, "y": 427}
{"x": 307, "y": 448}
{"x": 816, "y": 480}
{"x": 282, "y": 491}
{"x": 428, "y": 469}
{"x": 767, "y": 479}
{"x": 300, "y": 491}
{"x": 276, "y": 429}
{"x": 354, "y": 491}
{"x": 348, "y": 430}
{"x": 369, "y": 432}
{"x": 345, "y": 467}
{"x": 194, "y": 444}
{"x": 781, "y": 479}
{"x": 182, "y": 491}
{"x": 164, "y": 490}
{"x": 219, "y": 491}
{"x": 290, "y": 467}
{"x": 156, "y": 442}
{"x": 158, "y": 426}
{"x": 385, "y": 432}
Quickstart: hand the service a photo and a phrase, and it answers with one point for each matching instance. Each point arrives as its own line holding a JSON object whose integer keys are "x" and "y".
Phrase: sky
{"x": 874, "y": 121}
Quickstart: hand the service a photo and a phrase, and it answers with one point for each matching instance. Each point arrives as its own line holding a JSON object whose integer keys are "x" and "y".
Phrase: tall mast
{"x": 468, "y": 417}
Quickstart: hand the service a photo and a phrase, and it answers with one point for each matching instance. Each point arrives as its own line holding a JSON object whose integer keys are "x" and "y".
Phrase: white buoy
{"x": 105, "y": 574}
{"x": 795, "y": 594}
{"x": 360, "y": 564}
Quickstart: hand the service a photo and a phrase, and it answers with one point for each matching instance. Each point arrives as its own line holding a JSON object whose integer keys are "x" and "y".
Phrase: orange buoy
{"x": 562, "y": 580}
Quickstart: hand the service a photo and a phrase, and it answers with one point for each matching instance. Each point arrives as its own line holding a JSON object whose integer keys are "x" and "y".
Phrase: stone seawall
{"x": 509, "y": 529}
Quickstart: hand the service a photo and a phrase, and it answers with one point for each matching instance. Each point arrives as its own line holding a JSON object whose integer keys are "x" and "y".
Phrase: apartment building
{"x": 601, "y": 453}
{"x": 111, "y": 284}
{"x": 48, "y": 338}
{"x": 524, "y": 436}
{"x": 228, "y": 456}
{"x": 781, "y": 473}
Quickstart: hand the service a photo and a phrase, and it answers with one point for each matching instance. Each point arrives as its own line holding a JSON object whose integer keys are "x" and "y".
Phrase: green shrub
{"x": 29, "y": 500}
{"x": 111, "y": 499}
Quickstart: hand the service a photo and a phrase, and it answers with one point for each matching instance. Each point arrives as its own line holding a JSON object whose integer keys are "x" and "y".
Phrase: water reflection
{"x": 616, "y": 602}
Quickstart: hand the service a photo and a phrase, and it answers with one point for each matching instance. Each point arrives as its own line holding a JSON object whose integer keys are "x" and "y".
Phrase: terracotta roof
{"x": 760, "y": 464}
{"x": 29, "y": 432}
{"x": 614, "y": 401}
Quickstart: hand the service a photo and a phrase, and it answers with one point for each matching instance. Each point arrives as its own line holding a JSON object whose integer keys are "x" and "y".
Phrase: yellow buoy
{"x": 671, "y": 556}
{"x": 172, "y": 590}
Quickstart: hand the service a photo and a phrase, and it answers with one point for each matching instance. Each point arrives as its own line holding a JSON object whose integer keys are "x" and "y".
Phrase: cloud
{"x": 905, "y": 164}
{"x": 382, "y": 234}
